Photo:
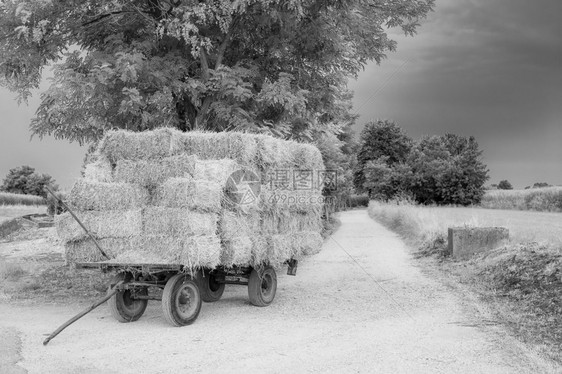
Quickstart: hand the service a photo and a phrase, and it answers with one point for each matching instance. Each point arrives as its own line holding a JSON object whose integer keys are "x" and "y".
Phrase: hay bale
{"x": 307, "y": 243}
{"x": 234, "y": 224}
{"x": 189, "y": 193}
{"x": 177, "y": 222}
{"x": 101, "y": 224}
{"x": 86, "y": 251}
{"x": 302, "y": 201}
{"x": 285, "y": 221}
{"x": 191, "y": 251}
{"x": 217, "y": 171}
{"x": 212, "y": 146}
{"x": 90, "y": 195}
{"x": 136, "y": 257}
{"x": 279, "y": 249}
{"x": 146, "y": 145}
{"x": 259, "y": 249}
{"x": 99, "y": 170}
{"x": 306, "y": 156}
{"x": 237, "y": 251}
{"x": 154, "y": 172}
{"x": 273, "y": 153}
{"x": 236, "y": 231}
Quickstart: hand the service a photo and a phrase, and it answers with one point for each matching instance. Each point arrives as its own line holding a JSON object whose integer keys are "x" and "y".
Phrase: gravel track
{"x": 362, "y": 305}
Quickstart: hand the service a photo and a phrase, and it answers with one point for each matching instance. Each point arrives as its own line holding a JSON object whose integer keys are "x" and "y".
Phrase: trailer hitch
{"x": 293, "y": 264}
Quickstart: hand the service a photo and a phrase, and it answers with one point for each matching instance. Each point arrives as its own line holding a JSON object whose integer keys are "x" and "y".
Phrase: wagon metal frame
{"x": 183, "y": 290}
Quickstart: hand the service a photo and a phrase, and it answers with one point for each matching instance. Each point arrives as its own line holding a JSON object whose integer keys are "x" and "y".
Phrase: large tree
{"x": 383, "y": 144}
{"x": 24, "y": 180}
{"x": 447, "y": 169}
{"x": 279, "y": 66}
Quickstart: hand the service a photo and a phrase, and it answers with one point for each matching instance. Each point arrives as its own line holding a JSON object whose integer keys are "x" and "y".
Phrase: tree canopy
{"x": 505, "y": 185}
{"x": 277, "y": 66}
{"x": 383, "y": 145}
{"x": 24, "y": 180}
{"x": 445, "y": 169}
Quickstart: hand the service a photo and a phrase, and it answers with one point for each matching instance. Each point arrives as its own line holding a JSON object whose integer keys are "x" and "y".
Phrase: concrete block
{"x": 464, "y": 242}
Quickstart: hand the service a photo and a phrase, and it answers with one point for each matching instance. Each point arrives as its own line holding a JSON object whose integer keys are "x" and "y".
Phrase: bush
{"x": 53, "y": 207}
{"x": 355, "y": 201}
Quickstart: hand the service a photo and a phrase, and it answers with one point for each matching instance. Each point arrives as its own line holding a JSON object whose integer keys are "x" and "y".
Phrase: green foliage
{"x": 447, "y": 170}
{"x": 383, "y": 145}
{"x": 434, "y": 170}
{"x": 541, "y": 185}
{"x": 24, "y": 180}
{"x": 356, "y": 201}
{"x": 505, "y": 185}
{"x": 338, "y": 154}
{"x": 272, "y": 66}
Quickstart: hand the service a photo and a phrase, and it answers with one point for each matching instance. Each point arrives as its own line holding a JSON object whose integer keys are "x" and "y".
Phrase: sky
{"x": 487, "y": 68}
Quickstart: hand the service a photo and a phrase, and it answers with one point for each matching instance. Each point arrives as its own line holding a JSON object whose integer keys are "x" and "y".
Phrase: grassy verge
{"x": 32, "y": 269}
{"x": 49, "y": 282}
{"x": 521, "y": 281}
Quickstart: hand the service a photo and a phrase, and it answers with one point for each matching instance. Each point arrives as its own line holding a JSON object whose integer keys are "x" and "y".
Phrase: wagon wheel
{"x": 262, "y": 287}
{"x": 181, "y": 300}
{"x": 209, "y": 287}
{"x": 123, "y": 305}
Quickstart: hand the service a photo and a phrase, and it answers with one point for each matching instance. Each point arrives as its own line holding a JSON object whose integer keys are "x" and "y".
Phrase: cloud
{"x": 477, "y": 67}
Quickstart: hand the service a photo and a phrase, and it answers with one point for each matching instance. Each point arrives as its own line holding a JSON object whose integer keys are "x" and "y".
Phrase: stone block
{"x": 465, "y": 242}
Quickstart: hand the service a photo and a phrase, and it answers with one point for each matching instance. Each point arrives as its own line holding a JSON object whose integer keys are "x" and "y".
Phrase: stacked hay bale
{"x": 162, "y": 197}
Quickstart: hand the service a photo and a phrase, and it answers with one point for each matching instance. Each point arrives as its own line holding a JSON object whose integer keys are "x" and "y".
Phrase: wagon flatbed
{"x": 109, "y": 265}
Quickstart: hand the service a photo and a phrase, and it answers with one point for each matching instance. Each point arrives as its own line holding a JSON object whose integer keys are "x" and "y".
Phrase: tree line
{"x": 446, "y": 169}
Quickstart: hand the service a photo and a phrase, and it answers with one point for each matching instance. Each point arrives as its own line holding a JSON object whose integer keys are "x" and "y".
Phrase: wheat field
{"x": 547, "y": 199}
{"x": 428, "y": 223}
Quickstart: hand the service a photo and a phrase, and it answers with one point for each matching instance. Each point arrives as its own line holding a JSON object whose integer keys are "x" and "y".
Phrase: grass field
{"x": 18, "y": 199}
{"x": 522, "y": 280}
{"x": 430, "y": 222}
{"x": 547, "y": 199}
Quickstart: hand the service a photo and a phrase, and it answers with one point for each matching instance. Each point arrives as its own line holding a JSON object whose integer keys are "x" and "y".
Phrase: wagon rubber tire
{"x": 124, "y": 308}
{"x": 181, "y": 300}
{"x": 209, "y": 288}
{"x": 261, "y": 289}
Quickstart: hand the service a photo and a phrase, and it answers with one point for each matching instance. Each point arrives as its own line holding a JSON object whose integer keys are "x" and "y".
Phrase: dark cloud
{"x": 485, "y": 68}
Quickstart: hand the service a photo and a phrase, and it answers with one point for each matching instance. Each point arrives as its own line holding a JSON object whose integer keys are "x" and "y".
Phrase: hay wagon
{"x": 180, "y": 291}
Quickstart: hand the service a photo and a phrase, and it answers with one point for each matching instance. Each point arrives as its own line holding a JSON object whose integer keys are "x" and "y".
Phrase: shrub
{"x": 53, "y": 207}
{"x": 354, "y": 201}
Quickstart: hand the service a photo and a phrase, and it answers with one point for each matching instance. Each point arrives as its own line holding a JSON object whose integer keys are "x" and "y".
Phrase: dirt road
{"x": 360, "y": 306}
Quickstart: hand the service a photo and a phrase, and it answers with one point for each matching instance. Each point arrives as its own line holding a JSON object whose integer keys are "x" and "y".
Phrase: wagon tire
{"x": 210, "y": 289}
{"x": 262, "y": 287}
{"x": 122, "y": 306}
{"x": 181, "y": 300}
